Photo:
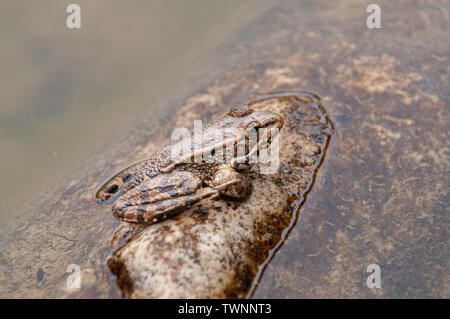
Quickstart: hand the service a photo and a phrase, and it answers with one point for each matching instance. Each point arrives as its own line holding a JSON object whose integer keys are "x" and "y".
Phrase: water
{"x": 66, "y": 93}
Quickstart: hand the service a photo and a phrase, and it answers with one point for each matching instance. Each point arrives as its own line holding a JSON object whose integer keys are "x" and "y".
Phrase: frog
{"x": 162, "y": 186}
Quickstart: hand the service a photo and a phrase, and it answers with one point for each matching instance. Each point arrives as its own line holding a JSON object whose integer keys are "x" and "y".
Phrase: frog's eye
{"x": 111, "y": 189}
{"x": 253, "y": 125}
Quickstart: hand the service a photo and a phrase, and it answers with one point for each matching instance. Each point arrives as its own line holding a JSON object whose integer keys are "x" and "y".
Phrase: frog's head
{"x": 263, "y": 124}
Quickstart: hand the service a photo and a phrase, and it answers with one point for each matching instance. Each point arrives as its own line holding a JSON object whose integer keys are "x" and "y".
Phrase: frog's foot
{"x": 146, "y": 212}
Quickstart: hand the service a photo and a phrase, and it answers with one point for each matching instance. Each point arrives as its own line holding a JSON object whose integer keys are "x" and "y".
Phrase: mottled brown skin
{"x": 156, "y": 189}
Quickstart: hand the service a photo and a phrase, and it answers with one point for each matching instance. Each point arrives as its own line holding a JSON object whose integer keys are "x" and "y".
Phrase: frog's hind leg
{"x": 112, "y": 188}
{"x": 154, "y": 212}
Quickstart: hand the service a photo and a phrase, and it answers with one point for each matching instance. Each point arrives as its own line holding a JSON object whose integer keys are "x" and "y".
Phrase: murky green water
{"x": 66, "y": 92}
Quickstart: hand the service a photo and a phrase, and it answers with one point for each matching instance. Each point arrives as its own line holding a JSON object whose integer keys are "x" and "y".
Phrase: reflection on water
{"x": 66, "y": 92}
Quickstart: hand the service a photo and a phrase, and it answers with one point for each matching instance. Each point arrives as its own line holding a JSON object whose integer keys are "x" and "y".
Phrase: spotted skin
{"x": 158, "y": 188}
